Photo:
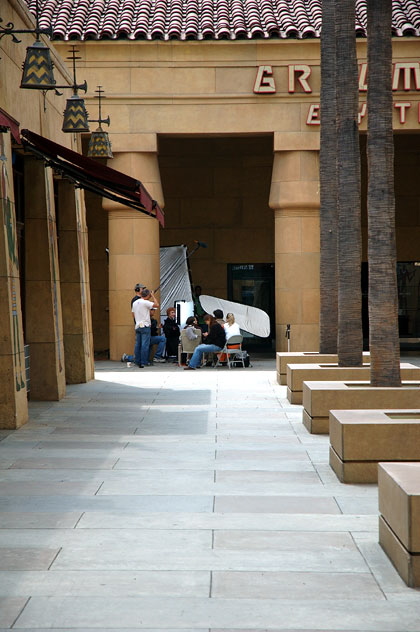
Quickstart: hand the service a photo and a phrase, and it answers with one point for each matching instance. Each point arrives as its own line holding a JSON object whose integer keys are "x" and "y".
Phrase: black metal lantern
{"x": 75, "y": 115}
{"x": 76, "y": 118}
{"x": 38, "y": 65}
{"x": 38, "y": 68}
{"x": 99, "y": 144}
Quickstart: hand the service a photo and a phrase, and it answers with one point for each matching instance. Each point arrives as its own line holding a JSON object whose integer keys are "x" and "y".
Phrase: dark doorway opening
{"x": 253, "y": 284}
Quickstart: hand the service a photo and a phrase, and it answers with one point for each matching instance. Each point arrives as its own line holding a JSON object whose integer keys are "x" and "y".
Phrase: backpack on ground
{"x": 238, "y": 357}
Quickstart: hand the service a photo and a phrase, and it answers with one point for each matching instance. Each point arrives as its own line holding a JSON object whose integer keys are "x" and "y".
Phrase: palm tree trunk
{"x": 383, "y": 293}
{"x": 350, "y": 337}
{"x": 328, "y": 319}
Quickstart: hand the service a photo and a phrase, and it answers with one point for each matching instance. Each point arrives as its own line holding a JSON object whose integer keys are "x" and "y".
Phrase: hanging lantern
{"x": 99, "y": 144}
{"x": 38, "y": 68}
{"x": 75, "y": 115}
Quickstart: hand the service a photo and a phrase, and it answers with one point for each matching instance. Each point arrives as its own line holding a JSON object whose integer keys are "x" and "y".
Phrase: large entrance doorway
{"x": 216, "y": 191}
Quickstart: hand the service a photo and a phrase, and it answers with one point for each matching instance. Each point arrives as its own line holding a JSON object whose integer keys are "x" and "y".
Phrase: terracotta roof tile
{"x": 203, "y": 19}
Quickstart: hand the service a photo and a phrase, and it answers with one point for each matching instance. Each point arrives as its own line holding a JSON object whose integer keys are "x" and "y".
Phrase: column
{"x": 133, "y": 248}
{"x": 294, "y": 196}
{"x": 75, "y": 289}
{"x": 43, "y": 326}
{"x": 13, "y": 395}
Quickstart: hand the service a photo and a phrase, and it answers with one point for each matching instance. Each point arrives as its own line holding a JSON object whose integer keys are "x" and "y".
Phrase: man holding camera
{"x": 141, "y": 310}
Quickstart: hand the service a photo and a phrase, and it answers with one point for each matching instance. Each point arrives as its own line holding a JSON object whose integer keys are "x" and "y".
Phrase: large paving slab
{"x": 161, "y": 501}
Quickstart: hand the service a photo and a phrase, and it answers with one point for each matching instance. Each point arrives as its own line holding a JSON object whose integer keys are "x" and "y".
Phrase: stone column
{"x": 294, "y": 196}
{"x": 75, "y": 289}
{"x": 133, "y": 247}
{"x": 43, "y": 326}
{"x": 13, "y": 394}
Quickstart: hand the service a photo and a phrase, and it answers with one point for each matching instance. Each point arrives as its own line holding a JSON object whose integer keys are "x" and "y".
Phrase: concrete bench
{"x": 399, "y": 521}
{"x": 283, "y": 358}
{"x": 321, "y": 397}
{"x": 360, "y": 439}
{"x": 299, "y": 373}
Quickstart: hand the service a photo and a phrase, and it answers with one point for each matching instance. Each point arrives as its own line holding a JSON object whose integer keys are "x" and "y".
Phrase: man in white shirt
{"x": 141, "y": 310}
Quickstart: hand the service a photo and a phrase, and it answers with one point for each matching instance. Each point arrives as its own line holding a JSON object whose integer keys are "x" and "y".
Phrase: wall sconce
{"x": 76, "y": 118}
{"x": 99, "y": 144}
{"x": 38, "y": 74}
{"x": 38, "y": 65}
{"x": 38, "y": 68}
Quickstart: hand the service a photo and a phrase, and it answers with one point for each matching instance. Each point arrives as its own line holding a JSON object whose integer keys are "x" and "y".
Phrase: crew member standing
{"x": 141, "y": 310}
{"x": 172, "y": 333}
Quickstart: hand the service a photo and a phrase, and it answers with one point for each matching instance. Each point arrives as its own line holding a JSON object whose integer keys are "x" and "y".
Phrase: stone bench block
{"x": 283, "y": 358}
{"x": 296, "y": 374}
{"x": 321, "y": 397}
{"x": 399, "y": 523}
{"x": 359, "y": 439}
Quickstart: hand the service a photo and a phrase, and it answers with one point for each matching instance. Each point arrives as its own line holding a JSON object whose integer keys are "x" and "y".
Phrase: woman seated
{"x": 191, "y": 328}
{"x": 231, "y": 327}
{"x": 214, "y": 341}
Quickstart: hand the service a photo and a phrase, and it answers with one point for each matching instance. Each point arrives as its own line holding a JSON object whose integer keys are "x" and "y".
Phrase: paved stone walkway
{"x": 162, "y": 500}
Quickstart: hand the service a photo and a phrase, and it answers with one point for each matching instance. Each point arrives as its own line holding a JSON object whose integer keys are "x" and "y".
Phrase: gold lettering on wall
{"x": 264, "y": 81}
{"x": 409, "y": 69}
{"x": 299, "y": 72}
{"x": 362, "y": 78}
{"x": 402, "y": 107}
{"x": 362, "y": 112}
{"x": 313, "y": 115}
{"x": 406, "y": 76}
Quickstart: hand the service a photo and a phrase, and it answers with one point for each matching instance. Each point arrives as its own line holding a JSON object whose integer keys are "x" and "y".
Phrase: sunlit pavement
{"x": 162, "y": 499}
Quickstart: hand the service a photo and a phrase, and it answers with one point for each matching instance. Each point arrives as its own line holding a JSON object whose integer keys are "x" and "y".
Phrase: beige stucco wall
{"x": 205, "y": 89}
{"x": 31, "y": 312}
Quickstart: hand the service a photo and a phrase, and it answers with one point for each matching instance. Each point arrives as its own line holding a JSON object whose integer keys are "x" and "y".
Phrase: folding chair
{"x": 232, "y": 347}
{"x": 186, "y": 345}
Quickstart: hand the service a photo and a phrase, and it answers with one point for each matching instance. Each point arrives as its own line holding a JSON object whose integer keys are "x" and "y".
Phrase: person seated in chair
{"x": 156, "y": 339}
{"x": 231, "y": 327}
{"x": 191, "y": 328}
{"x": 218, "y": 314}
{"x": 214, "y": 341}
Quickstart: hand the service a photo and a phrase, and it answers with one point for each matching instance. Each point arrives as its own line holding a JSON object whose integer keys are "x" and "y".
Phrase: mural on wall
{"x": 12, "y": 268}
{"x": 52, "y": 238}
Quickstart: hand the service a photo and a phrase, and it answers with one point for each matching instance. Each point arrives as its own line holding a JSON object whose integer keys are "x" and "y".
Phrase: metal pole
{"x": 287, "y": 334}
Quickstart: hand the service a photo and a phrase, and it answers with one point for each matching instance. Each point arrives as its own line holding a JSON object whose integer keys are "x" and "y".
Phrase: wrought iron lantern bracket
{"x": 9, "y": 29}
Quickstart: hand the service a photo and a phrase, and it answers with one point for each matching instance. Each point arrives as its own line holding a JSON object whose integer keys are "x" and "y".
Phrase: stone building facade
{"x": 217, "y": 113}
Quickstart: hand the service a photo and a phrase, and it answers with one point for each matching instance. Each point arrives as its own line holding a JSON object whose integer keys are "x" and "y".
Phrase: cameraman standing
{"x": 141, "y": 310}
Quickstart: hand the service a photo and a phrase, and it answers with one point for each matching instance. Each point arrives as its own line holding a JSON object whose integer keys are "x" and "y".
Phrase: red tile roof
{"x": 203, "y": 19}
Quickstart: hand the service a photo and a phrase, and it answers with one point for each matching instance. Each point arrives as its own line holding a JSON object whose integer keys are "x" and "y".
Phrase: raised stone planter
{"x": 399, "y": 521}
{"x": 283, "y": 358}
{"x": 359, "y": 439}
{"x": 321, "y": 397}
{"x": 299, "y": 373}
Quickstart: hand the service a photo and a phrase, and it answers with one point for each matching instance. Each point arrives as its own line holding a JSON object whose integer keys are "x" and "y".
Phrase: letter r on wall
{"x": 305, "y": 73}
